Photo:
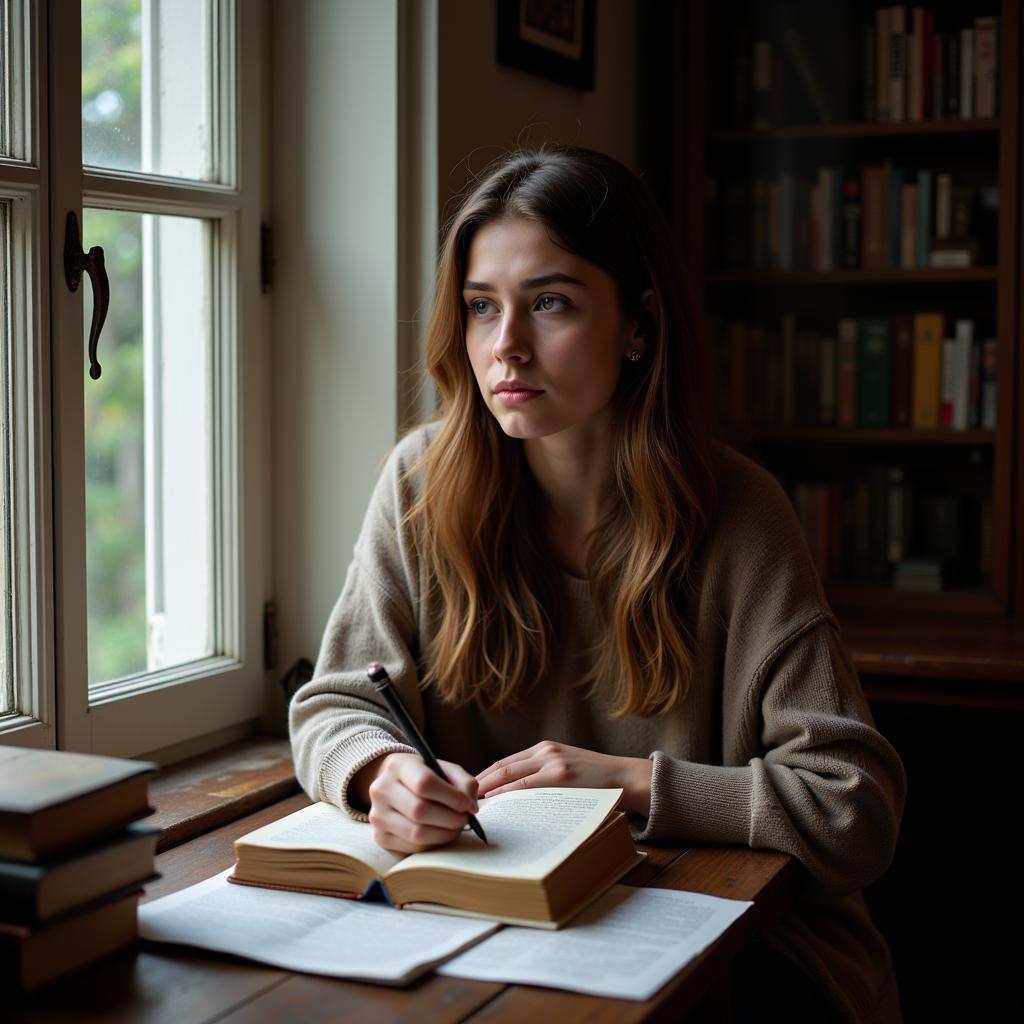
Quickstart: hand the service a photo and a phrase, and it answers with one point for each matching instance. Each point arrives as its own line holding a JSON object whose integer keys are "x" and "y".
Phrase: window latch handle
{"x": 75, "y": 261}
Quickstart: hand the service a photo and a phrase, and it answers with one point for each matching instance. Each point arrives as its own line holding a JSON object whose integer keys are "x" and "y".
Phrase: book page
{"x": 628, "y": 944}
{"x": 323, "y": 827}
{"x": 302, "y": 932}
{"x": 529, "y": 833}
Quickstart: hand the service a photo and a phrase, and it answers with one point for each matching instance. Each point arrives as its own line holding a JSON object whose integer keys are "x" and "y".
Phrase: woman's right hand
{"x": 411, "y": 808}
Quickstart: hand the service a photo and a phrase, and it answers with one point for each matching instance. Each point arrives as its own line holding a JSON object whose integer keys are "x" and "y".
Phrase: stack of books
{"x": 73, "y": 860}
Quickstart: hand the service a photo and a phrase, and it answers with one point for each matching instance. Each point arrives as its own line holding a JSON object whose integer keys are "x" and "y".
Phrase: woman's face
{"x": 545, "y": 332}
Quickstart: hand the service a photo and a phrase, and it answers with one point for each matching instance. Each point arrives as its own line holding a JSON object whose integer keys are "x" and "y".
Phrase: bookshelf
{"x": 907, "y": 510}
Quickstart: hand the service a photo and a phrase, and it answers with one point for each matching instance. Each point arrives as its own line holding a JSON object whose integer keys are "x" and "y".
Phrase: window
{"x": 155, "y": 594}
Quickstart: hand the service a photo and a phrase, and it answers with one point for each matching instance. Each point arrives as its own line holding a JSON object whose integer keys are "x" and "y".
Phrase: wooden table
{"x": 165, "y": 985}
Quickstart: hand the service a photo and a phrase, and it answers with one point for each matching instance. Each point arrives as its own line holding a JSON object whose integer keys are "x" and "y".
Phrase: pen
{"x": 382, "y": 684}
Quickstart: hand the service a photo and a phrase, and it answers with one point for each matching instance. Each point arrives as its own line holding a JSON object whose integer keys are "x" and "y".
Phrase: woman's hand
{"x": 557, "y": 764}
{"x": 411, "y": 808}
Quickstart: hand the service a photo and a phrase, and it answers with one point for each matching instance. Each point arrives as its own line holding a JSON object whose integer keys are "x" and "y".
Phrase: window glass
{"x": 148, "y": 445}
{"x": 7, "y": 701}
{"x": 148, "y": 92}
{"x": 5, "y": 78}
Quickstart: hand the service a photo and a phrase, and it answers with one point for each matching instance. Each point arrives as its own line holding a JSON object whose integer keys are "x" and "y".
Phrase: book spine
{"x": 967, "y": 72}
{"x": 927, "y": 369}
{"x": 988, "y": 385}
{"x": 938, "y": 73}
{"x": 915, "y": 66}
{"x": 846, "y": 374}
{"x": 852, "y": 224}
{"x": 874, "y": 246}
{"x": 895, "y": 219}
{"x": 908, "y": 227}
{"x": 902, "y": 370}
{"x": 963, "y": 338}
{"x": 984, "y": 67}
{"x": 869, "y": 90}
{"x": 883, "y": 48}
{"x": 943, "y": 205}
{"x": 828, "y": 382}
{"x": 826, "y": 205}
{"x": 951, "y": 60}
{"x": 974, "y": 396}
{"x": 927, "y": 65}
{"x": 786, "y": 222}
{"x": 948, "y": 383}
{"x": 895, "y": 519}
{"x": 874, "y": 360}
{"x": 923, "y": 228}
{"x": 897, "y": 64}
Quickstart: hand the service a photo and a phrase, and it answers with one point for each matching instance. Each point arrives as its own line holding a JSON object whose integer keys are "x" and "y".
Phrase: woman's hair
{"x": 476, "y": 522}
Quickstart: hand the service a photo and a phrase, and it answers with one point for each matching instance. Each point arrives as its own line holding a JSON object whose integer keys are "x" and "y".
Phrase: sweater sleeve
{"x": 337, "y": 721}
{"x": 802, "y": 768}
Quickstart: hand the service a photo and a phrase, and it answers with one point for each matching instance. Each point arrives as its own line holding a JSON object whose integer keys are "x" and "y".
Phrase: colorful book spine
{"x": 927, "y": 362}
{"x": 874, "y": 361}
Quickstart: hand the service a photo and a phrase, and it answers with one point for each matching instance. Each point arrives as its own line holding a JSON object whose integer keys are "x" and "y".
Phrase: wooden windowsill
{"x": 201, "y": 794}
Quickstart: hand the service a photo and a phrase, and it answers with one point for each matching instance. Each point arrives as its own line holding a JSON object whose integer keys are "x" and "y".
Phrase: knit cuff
{"x": 342, "y": 763}
{"x": 701, "y": 802}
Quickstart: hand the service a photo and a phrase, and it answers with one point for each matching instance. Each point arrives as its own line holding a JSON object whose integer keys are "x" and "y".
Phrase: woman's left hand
{"x": 557, "y": 764}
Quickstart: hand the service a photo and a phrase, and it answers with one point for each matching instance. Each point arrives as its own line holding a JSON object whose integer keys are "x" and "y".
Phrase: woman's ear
{"x": 644, "y": 323}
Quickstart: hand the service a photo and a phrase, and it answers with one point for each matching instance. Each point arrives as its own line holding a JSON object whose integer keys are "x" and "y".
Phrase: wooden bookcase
{"x": 700, "y": 58}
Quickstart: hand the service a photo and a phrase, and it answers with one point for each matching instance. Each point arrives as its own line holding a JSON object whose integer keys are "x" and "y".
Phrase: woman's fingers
{"x": 412, "y": 808}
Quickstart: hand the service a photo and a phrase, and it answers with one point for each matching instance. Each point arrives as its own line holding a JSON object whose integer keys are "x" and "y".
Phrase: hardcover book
{"x": 52, "y": 801}
{"x": 550, "y": 852}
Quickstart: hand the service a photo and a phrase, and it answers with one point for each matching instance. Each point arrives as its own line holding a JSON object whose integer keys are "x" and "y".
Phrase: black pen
{"x": 382, "y": 684}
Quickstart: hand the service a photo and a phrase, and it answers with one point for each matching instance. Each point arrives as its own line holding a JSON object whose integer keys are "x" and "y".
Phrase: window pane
{"x": 148, "y": 86}
{"x": 7, "y": 703}
{"x": 6, "y": 76}
{"x": 148, "y": 445}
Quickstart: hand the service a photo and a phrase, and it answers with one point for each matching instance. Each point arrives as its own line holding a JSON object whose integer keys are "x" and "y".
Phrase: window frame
{"x": 179, "y": 705}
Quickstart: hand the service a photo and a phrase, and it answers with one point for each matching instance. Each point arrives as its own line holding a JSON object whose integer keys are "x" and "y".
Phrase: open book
{"x": 550, "y": 853}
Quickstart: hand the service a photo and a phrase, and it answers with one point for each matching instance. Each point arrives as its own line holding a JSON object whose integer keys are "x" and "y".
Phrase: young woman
{"x": 571, "y": 584}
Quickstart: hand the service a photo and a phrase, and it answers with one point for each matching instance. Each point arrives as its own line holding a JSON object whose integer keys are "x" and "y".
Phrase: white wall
{"x": 334, "y": 172}
{"x": 487, "y": 108}
{"x": 344, "y": 164}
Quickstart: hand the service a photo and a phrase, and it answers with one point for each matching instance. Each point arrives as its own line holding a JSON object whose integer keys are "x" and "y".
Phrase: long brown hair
{"x": 475, "y": 522}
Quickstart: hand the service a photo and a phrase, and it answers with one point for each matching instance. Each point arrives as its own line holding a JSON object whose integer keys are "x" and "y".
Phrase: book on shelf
{"x": 967, "y": 72}
{"x": 894, "y": 372}
{"x": 54, "y": 801}
{"x": 874, "y": 366}
{"x": 911, "y": 71}
{"x": 985, "y": 63}
{"x": 32, "y": 894}
{"x": 877, "y": 218}
{"x": 550, "y": 852}
{"x": 927, "y": 370}
{"x": 32, "y": 957}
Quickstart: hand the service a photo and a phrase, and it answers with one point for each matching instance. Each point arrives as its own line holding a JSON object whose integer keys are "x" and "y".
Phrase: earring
{"x": 634, "y": 355}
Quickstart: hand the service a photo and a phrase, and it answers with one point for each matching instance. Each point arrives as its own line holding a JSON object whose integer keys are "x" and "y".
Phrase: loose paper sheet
{"x": 628, "y": 944}
{"x": 303, "y": 932}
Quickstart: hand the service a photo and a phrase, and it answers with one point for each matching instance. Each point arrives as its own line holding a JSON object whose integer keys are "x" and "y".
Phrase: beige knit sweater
{"x": 773, "y": 748}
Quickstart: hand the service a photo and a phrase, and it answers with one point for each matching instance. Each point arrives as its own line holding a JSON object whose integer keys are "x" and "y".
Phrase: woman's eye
{"x": 479, "y": 307}
{"x": 552, "y": 304}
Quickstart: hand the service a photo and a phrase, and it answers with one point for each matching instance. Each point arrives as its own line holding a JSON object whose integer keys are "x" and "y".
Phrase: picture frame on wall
{"x": 550, "y": 38}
